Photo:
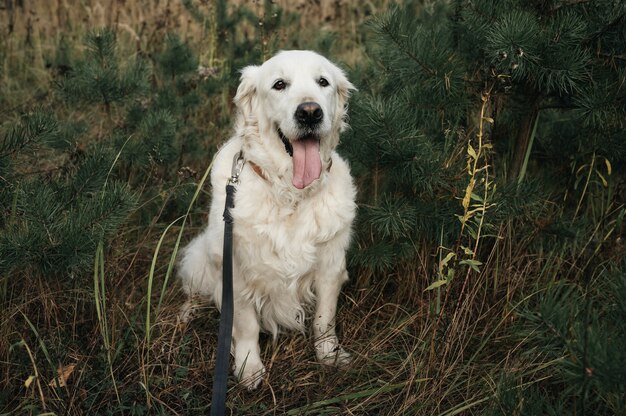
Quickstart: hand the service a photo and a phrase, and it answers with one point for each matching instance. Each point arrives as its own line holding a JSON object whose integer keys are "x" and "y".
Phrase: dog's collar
{"x": 257, "y": 169}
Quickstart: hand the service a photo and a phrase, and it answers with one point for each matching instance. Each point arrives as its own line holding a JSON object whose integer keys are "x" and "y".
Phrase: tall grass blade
{"x": 170, "y": 268}
{"x": 100, "y": 301}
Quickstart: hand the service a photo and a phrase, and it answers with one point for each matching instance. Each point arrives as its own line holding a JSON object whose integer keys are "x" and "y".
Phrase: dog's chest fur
{"x": 279, "y": 243}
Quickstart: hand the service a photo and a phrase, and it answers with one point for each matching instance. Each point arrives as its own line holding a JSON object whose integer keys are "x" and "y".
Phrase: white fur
{"x": 289, "y": 244}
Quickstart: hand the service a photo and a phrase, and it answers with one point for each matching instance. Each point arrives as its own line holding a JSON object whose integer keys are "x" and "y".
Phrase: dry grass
{"x": 49, "y": 19}
{"x": 389, "y": 330}
{"x": 31, "y": 30}
{"x": 406, "y": 361}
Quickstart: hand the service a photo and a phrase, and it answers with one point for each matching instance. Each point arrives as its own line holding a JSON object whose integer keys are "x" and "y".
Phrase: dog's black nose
{"x": 309, "y": 114}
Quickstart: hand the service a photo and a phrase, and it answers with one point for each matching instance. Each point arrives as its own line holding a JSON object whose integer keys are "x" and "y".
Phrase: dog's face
{"x": 299, "y": 98}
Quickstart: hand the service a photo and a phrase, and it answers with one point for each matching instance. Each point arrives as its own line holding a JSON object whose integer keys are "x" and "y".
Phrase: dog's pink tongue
{"x": 307, "y": 164}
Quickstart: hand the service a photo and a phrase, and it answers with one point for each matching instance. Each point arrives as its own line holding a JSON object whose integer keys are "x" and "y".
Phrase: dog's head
{"x": 298, "y": 98}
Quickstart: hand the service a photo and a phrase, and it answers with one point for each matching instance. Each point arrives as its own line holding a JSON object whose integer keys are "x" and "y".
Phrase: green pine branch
{"x": 37, "y": 128}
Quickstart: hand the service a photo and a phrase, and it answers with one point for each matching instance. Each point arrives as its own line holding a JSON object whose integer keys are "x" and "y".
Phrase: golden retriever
{"x": 294, "y": 206}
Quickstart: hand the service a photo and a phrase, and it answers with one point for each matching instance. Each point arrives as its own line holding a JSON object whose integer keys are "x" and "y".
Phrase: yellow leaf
{"x": 450, "y": 275}
{"x": 29, "y": 381}
{"x": 466, "y": 200}
{"x": 445, "y": 261}
{"x": 604, "y": 182}
{"x": 64, "y": 374}
{"x": 609, "y": 169}
{"x": 436, "y": 284}
{"x": 488, "y": 120}
{"x": 468, "y": 193}
{"x": 471, "y": 151}
{"x": 467, "y": 250}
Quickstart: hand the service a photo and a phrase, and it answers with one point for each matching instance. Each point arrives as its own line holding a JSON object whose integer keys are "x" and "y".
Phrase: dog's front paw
{"x": 187, "y": 311}
{"x": 250, "y": 374}
{"x": 330, "y": 352}
{"x": 338, "y": 358}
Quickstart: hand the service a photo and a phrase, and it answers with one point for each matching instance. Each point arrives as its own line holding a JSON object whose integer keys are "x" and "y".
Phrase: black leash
{"x": 220, "y": 376}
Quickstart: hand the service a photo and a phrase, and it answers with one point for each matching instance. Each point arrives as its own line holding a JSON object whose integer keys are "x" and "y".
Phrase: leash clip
{"x": 238, "y": 162}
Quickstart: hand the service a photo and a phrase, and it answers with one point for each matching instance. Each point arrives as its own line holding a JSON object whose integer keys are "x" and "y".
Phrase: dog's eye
{"x": 323, "y": 82}
{"x": 279, "y": 85}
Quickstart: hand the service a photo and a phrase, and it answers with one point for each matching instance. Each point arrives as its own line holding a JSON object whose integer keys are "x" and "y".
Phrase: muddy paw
{"x": 250, "y": 374}
{"x": 187, "y": 311}
{"x": 330, "y": 352}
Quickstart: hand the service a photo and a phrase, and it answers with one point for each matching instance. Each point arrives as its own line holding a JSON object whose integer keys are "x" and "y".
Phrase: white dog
{"x": 293, "y": 212}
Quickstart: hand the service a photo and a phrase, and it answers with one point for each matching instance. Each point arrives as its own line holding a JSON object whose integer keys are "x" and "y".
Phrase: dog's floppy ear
{"x": 246, "y": 91}
{"x": 344, "y": 89}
